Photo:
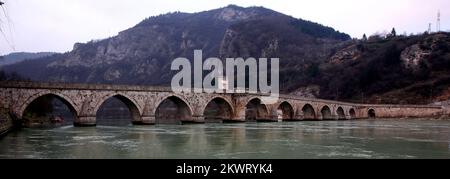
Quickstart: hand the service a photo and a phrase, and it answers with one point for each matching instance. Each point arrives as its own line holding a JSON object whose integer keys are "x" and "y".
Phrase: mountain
{"x": 315, "y": 61}
{"x": 143, "y": 54}
{"x": 22, "y": 56}
{"x": 395, "y": 70}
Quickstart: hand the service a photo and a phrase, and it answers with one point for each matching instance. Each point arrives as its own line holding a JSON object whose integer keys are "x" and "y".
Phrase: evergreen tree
{"x": 364, "y": 37}
{"x": 393, "y": 33}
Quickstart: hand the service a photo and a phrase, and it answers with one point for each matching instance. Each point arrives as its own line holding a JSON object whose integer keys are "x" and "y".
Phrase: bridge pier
{"x": 86, "y": 121}
{"x": 235, "y": 120}
{"x": 237, "y": 117}
{"x": 331, "y": 118}
{"x": 273, "y": 117}
{"x": 194, "y": 120}
{"x": 335, "y": 117}
{"x": 297, "y": 117}
{"x": 268, "y": 120}
{"x": 348, "y": 117}
{"x": 146, "y": 120}
{"x": 6, "y": 121}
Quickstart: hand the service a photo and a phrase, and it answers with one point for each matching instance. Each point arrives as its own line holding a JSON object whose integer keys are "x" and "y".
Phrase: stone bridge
{"x": 146, "y": 104}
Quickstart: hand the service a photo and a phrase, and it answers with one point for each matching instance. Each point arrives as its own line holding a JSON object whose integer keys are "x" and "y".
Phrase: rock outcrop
{"x": 143, "y": 54}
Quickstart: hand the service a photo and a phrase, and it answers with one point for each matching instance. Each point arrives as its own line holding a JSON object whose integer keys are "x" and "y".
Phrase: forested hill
{"x": 316, "y": 61}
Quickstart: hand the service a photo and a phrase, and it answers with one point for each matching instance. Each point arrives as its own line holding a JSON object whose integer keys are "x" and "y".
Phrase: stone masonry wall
{"x": 84, "y": 100}
{"x": 5, "y": 121}
{"x": 394, "y": 111}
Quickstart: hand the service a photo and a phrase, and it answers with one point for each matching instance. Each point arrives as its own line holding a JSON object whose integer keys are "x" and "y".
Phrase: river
{"x": 373, "y": 139}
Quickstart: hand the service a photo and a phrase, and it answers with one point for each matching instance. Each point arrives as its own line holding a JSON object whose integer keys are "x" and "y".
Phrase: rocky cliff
{"x": 316, "y": 61}
{"x": 401, "y": 69}
{"x": 143, "y": 54}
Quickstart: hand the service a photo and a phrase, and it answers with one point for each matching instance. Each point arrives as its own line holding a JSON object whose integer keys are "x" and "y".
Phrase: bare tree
{"x": 364, "y": 37}
{"x": 6, "y": 21}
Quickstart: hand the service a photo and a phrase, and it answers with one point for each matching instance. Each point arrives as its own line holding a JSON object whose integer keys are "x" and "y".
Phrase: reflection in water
{"x": 325, "y": 139}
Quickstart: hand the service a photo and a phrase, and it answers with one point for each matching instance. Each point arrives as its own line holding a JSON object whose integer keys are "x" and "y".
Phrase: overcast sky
{"x": 55, "y": 25}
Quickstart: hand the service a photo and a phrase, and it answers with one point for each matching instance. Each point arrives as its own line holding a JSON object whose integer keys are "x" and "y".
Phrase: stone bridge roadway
{"x": 145, "y": 103}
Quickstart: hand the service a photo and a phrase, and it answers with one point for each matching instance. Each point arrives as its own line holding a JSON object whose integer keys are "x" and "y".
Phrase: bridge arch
{"x": 127, "y": 101}
{"x": 326, "y": 113}
{"x": 256, "y": 110}
{"x": 341, "y": 113}
{"x": 66, "y": 100}
{"x": 287, "y": 111}
{"x": 43, "y": 101}
{"x": 372, "y": 113}
{"x": 352, "y": 113}
{"x": 218, "y": 109}
{"x": 173, "y": 110}
{"x": 308, "y": 112}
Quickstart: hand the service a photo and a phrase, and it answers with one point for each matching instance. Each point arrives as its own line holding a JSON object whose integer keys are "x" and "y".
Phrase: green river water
{"x": 366, "y": 139}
